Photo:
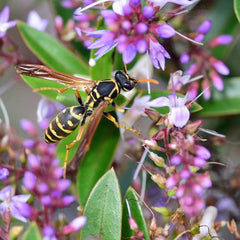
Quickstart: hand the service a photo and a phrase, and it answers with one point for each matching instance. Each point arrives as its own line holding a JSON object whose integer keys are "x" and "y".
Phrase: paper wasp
{"x": 99, "y": 95}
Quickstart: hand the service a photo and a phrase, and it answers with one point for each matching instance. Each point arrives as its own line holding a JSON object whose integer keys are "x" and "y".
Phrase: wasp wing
{"x": 88, "y": 136}
{"x": 41, "y": 71}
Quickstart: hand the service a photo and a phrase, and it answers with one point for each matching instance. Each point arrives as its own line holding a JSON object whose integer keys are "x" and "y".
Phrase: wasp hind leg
{"x": 112, "y": 119}
{"x": 69, "y": 146}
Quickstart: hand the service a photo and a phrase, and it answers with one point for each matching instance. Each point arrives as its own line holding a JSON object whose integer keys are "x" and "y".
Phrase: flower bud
{"x": 192, "y": 127}
{"x": 165, "y": 31}
{"x": 4, "y": 173}
{"x": 205, "y": 27}
{"x": 75, "y": 225}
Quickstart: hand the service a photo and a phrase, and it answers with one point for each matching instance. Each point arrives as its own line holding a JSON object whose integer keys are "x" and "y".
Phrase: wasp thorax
{"x": 124, "y": 81}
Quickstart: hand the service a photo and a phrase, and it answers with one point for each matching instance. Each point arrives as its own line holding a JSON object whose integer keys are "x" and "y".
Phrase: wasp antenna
{"x": 125, "y": 68}
{"x": 148, "y": 80}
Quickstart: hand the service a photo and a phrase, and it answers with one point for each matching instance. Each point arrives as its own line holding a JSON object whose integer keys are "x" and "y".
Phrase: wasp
{"x": 100, "y": 94}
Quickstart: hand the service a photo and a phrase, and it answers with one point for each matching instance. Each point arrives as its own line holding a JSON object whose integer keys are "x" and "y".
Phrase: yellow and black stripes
{"x": 105, "y": 90}
{"x": 64, "y": 123}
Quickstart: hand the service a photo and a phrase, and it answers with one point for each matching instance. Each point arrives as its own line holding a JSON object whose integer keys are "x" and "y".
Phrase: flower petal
{"x": 4, "y": 15}
{"x": 5, "y": 193}
{"x": 129, "y": 53}
{"x": 180, "y": 116}
{"x": 159, "y": 102}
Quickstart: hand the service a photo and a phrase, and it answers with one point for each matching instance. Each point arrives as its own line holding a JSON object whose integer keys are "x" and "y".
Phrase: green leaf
{"x": 50, "y": 51}
{"x": 223, "y": 103}
{"x": 103, "y": 67}
{"x": 32, "y": 233}
{"x": 237, "y": 8}
{"x": 136, "y": 212}
{"x": 67, "y": 98}
{"x": 104, "y": 209}
{"x": 98, "y": 159}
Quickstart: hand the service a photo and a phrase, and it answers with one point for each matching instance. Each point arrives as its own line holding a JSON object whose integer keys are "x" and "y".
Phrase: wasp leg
{"x": 78, "y": 96}
{"x": 112, "y": 119}
{"x": 117, "y": 107}
{"x": 60, "y": 90}
{"x": 125, "y": 68}
{"x": 69, "y": 146}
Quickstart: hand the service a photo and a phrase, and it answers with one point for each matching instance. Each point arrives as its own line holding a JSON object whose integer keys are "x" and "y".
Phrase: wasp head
{"x": 125, "y": 81}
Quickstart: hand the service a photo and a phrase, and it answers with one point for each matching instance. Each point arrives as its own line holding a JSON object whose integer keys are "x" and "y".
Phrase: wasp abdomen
{"x": 64, "y": 123}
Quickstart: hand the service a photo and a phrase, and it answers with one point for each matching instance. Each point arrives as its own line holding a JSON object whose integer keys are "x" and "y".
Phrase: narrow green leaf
{"x": 104, "y": 209}
{"x": 103, "y": 67}
{"x": 223, "y": 103}
{"x": 98, "y": 159}
{"x": 50, "y": 51}
{"x": 32, "y": 233}
{"x": 136, "y": 212}
{"x": 67, "y": 98}
{"x": 237, "y": 8}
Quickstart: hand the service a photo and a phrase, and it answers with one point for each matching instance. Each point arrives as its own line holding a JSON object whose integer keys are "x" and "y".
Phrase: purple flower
{"x": 162, "y": 3}
{"x": 15, "y": 205}
{"x": 204, "y": 63}
{"x": 28, "y": 127}
{"x": 35, "y": 21}
{"x": 157, "y": 54}
{"x": 4, "y": 173}
{"x": 132, "y": 29}
{"x": 4, "y": 24}
{"x": 179, "y": 114}
{"x": 49, "y": 233}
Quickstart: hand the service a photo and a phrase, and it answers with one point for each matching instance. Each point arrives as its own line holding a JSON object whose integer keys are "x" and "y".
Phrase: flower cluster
{"x": 204, "y": 63}
{"x": 77, "y": 27}
{"x": 186, "y": 157}
{"x": 134, "y": 28}
{"x": 8, "y": 50}
{"x": 43, "y": 180}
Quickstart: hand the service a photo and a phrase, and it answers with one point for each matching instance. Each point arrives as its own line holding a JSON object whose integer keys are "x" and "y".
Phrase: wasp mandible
{"x": 99, "y": 95}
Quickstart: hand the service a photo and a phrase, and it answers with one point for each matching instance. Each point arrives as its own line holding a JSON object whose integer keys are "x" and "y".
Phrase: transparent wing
{"x": 41, "y": 71}
{"x": 88, "y": 136}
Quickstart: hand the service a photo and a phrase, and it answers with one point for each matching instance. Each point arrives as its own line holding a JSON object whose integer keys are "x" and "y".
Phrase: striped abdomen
{"x": 64, "y": 123}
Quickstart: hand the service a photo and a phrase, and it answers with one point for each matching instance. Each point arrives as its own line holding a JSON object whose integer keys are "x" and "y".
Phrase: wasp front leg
{"x": 118, "y": 108}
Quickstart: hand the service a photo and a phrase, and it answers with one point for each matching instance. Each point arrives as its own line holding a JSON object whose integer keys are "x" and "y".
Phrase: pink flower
{"x": 35, "y": 21}
{"x": 15, "y": 204}
{"x": 179, "y": 114}
{"x": 4, "y": 23}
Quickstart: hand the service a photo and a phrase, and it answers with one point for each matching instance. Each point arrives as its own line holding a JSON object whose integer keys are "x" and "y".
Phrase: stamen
{"x": 143, "y": 188}
{"x": 189, "y": 39}
{"x": 80, "y": 10}
{"x": 211, "y": 132}
{"x": 195, "y": 99}
{"x": 195, "y": 78}
{"x": 92, "y": 62}
{"x": 139, "y": 167}
{"x": 5, "y": 114}
{"x": 128, "y": 208}
{"x": 148, "y": 75}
